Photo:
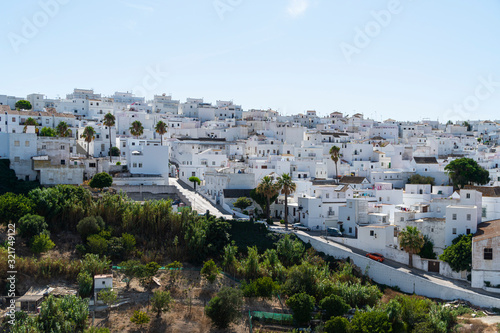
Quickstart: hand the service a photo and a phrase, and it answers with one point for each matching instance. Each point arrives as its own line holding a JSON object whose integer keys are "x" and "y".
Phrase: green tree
{"x": 97, "y": 330}
{"x": 419, "y": 179}
{"x": 302, "y": 305}
{"x": 251, "y": 265}
{"x": 161, "y": 302}
{"x": 242, "y": 203}
{"x": 290, "y": 251}
{"x": 42, "y": 243}
{"x": 411, "y": 240}
{"x": 136, "y": 129}
{"x": 85, "y": 284}
{"x": 131, "y": 269}
{"x": 109, "y": 297}
{"x": 88, "y": 135}
{"x": 29, "y": 122}
{"x": 210, "y": 271}
{"x": 287, "y": 187}
{"x": 147, "y": 272}
{"x": 93, "y": 264}
{"x": 335, "y": 155}
{"x": 48, "y": 131}
{"x": 23, "y": 105}
{"x": 229, "y": 262}
{"x": 464, "y": 171}
{"x": 128, "y": 241}
{"x": 161, "y": 129}
{"x": 109, "y": 121}
{"x": 225, "y": 307}
{"x": 31, "y": 225}
{"x": 333, "y": 306}
{"x": 270, "y": 191}
{"x": 90, "y": 225}
{"x": 13, "y": 207}
{"x": 371, "y": 322}
{"x": 261, "y": 200}
{"x": 337, "y": 325}
{"x": 459, "y": 254}
{"x": 101, "y": 180}
{"x": 466, "y": 124}
{"x": 63, "y": 130}
{"x": 195, "y": 181}
{"x": 115, "y": 151}
{"x": 140, "y": 318}
{"x": 427, "y": 250}
{"x": 65, "y": 314}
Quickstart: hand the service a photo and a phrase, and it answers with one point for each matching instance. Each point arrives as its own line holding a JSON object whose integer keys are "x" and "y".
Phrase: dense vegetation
{"x": 138, "y": 235}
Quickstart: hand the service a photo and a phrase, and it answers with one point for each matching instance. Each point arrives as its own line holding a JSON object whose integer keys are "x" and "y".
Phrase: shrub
{"x": 357, "y": 295}
{"x": 31, "y": 225}
{"x": 115, "y": 151}
{"x": 85, "y": 284}
{"x": 97, "y": 245}
{"x": 242, "y": 203}
{"x": 302, "y": 305}
{"x": 371, "y": 321}
{"x": 337, "y": 325}
{"x": 262, "y": 287}
{"x": 41, "y": 243}
{"x": 118, "y": 163}
{"x": 161, "y": 302}
{"x": 140, "y": 318}
{"x": 101, "y": 180}
{"x": 459, "y": 254}
{"x": 89, "y": 226}
{"x": 225, "y": 308}
{"x": 13, "y": 207}
{"x": 128, "y": 241}
{"x": 210, "y": 271}
{"x": 333, "y": 306}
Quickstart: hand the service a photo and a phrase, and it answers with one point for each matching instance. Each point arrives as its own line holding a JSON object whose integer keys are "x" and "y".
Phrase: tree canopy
{"x": 101, "y": 180}
{"x": 242, "y": 203}
{"x": 465, "y": 171}
{"x": 136, "y": 129}
{"x": 412, "y": 241}
{"x": 23, "y": 105}
{"x": 419, "y": 179}
{"x": 459, "y": 254}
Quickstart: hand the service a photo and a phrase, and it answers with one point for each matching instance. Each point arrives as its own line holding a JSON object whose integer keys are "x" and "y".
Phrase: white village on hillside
{"x": 359, "y": 195}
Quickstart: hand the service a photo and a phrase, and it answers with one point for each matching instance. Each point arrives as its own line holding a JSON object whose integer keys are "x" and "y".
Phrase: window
{"x": 483, "y": 212}
{"x": 488, "y": 253}
{"x": 13, "y": 119}
{"x": 16, "y": 143}
{"x": 62, "y": 147}
{"x": 468, "y": 217}
{"x": 454, "y": 217}
{"x": 44, "y": 146}
{"x": 454, "y": 231}
{"x": 134, "y": 165}
{"x": 372, "y": 233}
{"x": 91, "y": 165}
{"x": 350, "y": 230}
{"x": 467, "y": 195}
{"x": 17, "y": 159}
{"x": 27, "y": 143}
{"x": 348, "y": 218}
{"x": 193, "y": 174}
{"x": 63, "y": 162}
{"x": 467, "y": 231}
{"x": 123, "y": 145}
{"x": 401, "y": 219}
{"x": 140, "y": 165}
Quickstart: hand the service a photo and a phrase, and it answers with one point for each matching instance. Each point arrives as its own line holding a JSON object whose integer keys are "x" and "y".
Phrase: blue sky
{"x": 421, "y": 59}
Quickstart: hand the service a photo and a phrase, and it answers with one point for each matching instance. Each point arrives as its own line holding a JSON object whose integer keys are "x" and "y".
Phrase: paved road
{"x": 436, "y": 278}
{"x": 198, "y": 203}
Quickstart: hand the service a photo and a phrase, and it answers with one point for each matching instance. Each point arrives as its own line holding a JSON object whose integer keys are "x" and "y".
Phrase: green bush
{"x": 97, "y": 244}
{"x": 42, "y": 243}
{"x": 31, "y": 225}
{"x": 13, "y": 207}
{"x": 337, "y": 325}
{"x": 85, "y": 284}
{"x": 89, "y": 226}
{"x": 371, "y": 321}
{"x": 210, "y": 271}
{"x": 302, "y": 305}
{"x": 261, "y": 287}
{"x": 161, "y": 301}
{"x": 101, "y": 180}
{"x": 333, "y": 306}
{"x": 225, "y": 307}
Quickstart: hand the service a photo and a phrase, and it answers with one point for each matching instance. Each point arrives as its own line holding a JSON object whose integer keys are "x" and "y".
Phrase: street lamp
{"x": 300, "y": 210}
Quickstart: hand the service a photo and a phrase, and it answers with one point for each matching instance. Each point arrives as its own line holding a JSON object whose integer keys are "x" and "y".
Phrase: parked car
{"x": 334, "y": 232}
{"x": 375, "y": 256}
{"x": 300, "y": 226}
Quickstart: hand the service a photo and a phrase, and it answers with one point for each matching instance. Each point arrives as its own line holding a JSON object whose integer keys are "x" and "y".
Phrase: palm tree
{"x": 109, "y": 120}
{"x": 29, "y": 122}
{"x": 268, "y": 189}
{"x": 412, "y": 241}
{"x": 335, "y": 155}
{"x": 88, "y": 135}
{"x": 161, "y": 128}
{"x": 63, "y": 130}
{"x": 136, "y": 129}
{"x": 287, "y": 187}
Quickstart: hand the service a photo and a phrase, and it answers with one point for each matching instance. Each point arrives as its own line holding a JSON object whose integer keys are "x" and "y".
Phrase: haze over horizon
{"x": 405, "y": 60}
